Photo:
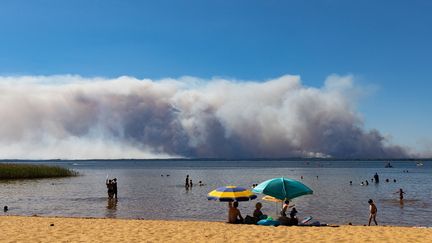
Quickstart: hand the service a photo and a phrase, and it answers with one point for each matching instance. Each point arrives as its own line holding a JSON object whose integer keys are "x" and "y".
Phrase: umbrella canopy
{"x": 271, "y": 199}
{"x": 231, "y": 193}
{"x": 282, "y": 188}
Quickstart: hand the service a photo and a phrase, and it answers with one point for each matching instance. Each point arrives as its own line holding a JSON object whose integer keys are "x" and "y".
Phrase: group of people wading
{"x": 112, "y": 187}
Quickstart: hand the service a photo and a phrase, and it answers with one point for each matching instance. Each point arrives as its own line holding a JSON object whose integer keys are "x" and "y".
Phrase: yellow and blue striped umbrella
{"x": 231, "y": 193}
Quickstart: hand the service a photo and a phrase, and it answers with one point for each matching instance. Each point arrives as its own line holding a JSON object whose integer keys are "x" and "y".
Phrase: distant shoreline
{"x": 221, "y": 159}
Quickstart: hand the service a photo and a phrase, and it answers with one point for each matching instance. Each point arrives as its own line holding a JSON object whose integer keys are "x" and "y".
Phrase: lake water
{"x": 144, "y": 193}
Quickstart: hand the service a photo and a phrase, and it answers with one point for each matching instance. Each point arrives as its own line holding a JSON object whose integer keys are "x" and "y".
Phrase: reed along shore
{"x": 11, "y": 171}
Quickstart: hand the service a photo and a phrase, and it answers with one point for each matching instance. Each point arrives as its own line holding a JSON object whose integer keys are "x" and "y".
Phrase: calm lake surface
{"x": 144, "y": 193}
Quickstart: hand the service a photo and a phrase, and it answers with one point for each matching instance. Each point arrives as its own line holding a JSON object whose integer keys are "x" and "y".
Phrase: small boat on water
{"x": 388, "y": 165}
{"x": 419, "y": 163}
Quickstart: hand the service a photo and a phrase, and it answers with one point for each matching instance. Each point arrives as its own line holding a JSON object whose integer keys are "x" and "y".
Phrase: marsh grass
{"x": 32, "y": 171}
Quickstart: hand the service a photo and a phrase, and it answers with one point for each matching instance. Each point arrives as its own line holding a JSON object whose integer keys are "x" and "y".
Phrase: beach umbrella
{"x": 231, "y": 193}
{"x": 282, "y": 188}
{"x": 271, "y": 199}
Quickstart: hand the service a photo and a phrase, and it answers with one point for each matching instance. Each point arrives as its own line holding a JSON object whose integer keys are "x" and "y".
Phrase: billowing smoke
{"x": 71, "y": 117}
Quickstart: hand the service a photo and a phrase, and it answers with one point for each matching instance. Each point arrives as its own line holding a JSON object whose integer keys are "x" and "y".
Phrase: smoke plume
{"x": 71, "y": 117}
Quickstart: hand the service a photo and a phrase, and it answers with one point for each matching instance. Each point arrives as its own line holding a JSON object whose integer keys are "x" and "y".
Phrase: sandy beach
{"x": 47, "y": 229}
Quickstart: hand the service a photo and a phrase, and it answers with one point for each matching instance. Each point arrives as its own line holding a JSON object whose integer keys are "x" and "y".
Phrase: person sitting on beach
{"x": 401, "y": 192}
{"x": 293, "y": 217}
{"x": 258, "y": 214}
{"x": 234, "y": 215}
{"x": 283, "y": 219}
{"x": 285, "y": 208}
{"x": 200, "y": 183}
{"x": 372, "y": 212}
{"x": 110, "y": 188}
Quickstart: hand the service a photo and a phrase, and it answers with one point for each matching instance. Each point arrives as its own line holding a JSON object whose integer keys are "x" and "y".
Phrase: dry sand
{"x": 44, "y": 229}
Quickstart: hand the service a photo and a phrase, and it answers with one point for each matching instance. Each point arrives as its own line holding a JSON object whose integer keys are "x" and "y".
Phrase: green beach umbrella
{"x": 282, "y": 188}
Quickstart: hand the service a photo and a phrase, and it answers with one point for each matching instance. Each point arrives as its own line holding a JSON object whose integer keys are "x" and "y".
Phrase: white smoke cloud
{"x": 72, "y": 117}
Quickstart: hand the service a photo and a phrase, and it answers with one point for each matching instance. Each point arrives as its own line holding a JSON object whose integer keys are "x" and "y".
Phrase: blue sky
{"x": 386, "y": 44}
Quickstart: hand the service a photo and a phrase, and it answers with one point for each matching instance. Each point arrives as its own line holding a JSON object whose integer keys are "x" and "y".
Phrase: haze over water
{"x": 144, "y": 193}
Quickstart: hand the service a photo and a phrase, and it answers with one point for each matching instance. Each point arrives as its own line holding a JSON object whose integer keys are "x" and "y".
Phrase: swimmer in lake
{"x": 401, "y": 192}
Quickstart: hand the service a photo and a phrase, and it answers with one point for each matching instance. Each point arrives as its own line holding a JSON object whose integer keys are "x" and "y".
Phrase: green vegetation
{"x": 32, "y": 171}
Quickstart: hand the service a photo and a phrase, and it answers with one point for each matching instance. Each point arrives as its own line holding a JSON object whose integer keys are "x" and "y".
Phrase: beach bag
{"x": 268, "y": 222}
{"x": 250, "y": 220}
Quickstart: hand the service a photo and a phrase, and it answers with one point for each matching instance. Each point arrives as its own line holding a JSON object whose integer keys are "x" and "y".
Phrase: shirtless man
{"x": 110, "y": 188}
{"x": 234, "y": 215}
{"x": 114, "y": 183}
{"x": 373, "y": 212}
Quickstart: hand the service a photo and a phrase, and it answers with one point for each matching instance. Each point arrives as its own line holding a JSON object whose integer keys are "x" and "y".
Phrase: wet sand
{"x": 45, "y": 229}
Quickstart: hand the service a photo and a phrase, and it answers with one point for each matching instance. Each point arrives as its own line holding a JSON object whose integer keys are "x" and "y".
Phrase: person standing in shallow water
{"x": 115, "y": 187}
{"x": 187, "y": 181}
{"x": 372, "y": 212}
{"x": 110, "y": 188}
{"x": 401, "y": 192}
{"x": 376, "y": 177}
